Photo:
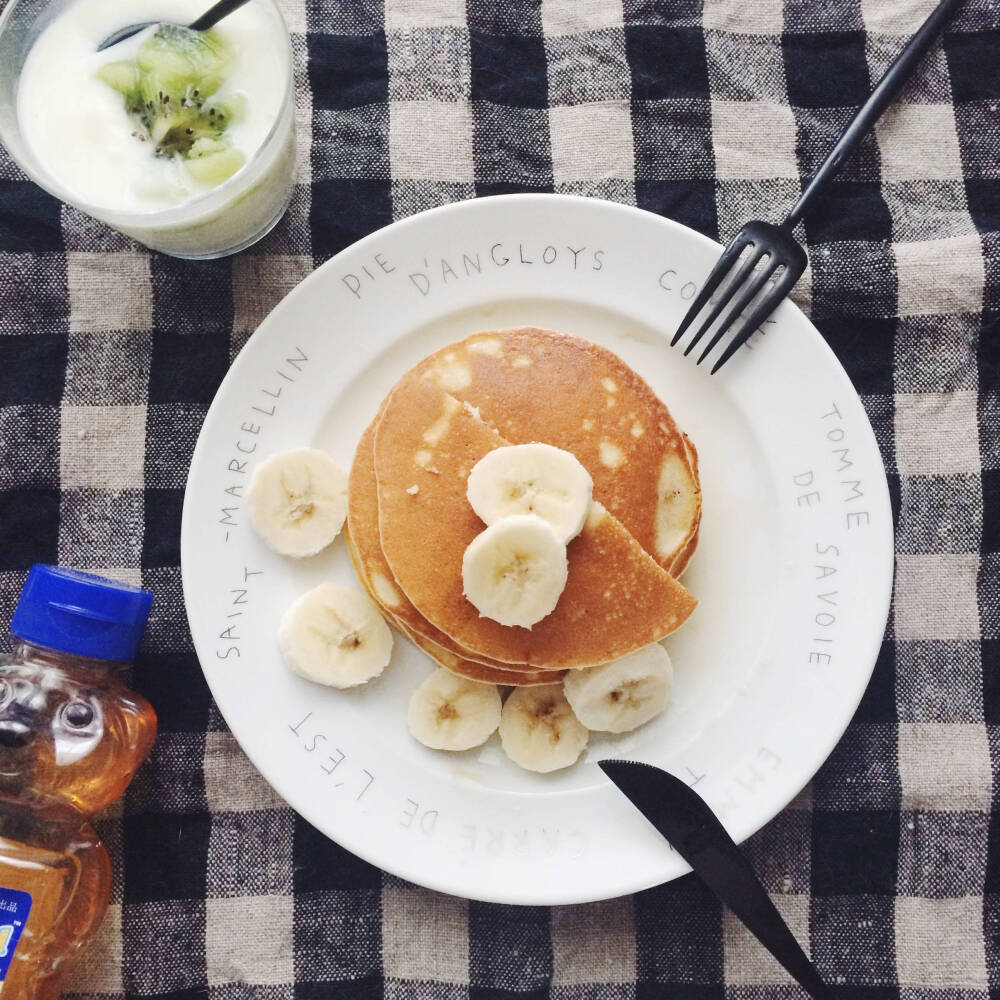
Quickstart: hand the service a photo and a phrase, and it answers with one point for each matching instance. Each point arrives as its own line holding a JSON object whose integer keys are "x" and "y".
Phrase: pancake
{"x": 471, "y": 669}
{"x": 617, "y": 598}
{"x": 539, "y": 385}
{"x": 476, "y": 671}
{"x": 370, "y": 563}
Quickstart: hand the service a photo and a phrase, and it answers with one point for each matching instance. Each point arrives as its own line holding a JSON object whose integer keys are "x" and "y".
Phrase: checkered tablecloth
{"x": 711, "y": 113}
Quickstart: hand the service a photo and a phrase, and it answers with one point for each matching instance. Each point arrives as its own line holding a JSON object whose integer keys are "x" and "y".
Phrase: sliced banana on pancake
{"x": 335, "y": 635}
{"x": 620, "y": 696}
{"x": 678, "y": 513}
{"x": 515, "y": 571}
{"x": 539, "y": 731}
{"x": 448, "y": 712}
{"x": 683, "y": 556}
{"x": 532, "y": 478}
{"x": 297, "y": 501}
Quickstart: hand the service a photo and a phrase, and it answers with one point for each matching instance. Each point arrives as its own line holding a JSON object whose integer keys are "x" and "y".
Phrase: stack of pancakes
{"x": 409, "y": 521}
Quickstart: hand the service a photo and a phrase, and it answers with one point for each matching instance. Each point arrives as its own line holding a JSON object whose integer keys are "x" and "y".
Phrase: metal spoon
{"x": 209, "y": 19}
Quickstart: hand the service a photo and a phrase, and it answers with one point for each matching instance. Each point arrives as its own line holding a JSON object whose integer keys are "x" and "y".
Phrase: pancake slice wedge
{"x": 617, "y": 598}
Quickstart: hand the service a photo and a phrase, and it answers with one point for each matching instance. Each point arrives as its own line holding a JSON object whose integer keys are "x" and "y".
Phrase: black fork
{"x": 763, "y": 249}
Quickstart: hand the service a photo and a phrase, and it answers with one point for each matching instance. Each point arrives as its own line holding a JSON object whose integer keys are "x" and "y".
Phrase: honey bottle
{"x": 71, "y": 738}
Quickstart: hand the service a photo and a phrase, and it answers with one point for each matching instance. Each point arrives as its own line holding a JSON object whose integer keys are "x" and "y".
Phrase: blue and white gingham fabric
{"x": 711, "y": 113}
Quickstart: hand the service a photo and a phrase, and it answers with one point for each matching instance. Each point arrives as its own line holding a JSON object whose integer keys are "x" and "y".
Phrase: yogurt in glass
{"x": 73, "y": 132}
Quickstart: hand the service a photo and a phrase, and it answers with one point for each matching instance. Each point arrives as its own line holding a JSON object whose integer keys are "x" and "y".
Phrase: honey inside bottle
{"x": 71, "y": 737}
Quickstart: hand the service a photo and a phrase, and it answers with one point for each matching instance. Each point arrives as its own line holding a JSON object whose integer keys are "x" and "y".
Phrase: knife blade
{"x": 684, "y": 819}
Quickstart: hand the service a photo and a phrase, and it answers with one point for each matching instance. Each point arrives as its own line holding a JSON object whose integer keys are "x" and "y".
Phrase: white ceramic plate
{"x": 793, "y": 570}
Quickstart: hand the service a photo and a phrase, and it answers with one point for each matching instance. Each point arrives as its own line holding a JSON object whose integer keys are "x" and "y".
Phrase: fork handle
{"x": 881, "y": 97}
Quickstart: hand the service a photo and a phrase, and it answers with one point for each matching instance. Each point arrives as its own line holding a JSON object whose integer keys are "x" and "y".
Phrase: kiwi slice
{"x": 169, "y": 93}
{"x": 121, "y": 76}
{"x": 210, "y": 161}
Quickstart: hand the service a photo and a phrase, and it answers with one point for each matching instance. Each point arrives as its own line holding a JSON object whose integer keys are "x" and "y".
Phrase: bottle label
{"x": 14, "y": 909}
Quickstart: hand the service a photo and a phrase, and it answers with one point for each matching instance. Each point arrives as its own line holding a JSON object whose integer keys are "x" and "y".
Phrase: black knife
{"x": 682, "y": 816}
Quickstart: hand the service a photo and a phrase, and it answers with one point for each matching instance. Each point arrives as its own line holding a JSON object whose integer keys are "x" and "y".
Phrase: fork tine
{"x": 740, "y": 302}
{"x": 729, "y": 256}
{"x": 744, "y": 272}
{"x": 758, "y": 314}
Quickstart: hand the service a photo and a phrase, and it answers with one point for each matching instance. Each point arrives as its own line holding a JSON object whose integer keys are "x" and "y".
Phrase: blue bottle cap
{"x": 81, "y": 613}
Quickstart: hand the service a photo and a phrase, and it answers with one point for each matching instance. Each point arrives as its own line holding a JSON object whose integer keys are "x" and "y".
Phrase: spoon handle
{"x": 216, "y": 13}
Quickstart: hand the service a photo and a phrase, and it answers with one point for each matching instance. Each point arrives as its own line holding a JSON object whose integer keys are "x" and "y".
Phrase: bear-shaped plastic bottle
{"x": 71, "y": 737}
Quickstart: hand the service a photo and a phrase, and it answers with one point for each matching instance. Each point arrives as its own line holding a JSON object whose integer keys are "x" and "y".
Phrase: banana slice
{"x": 451, "y": 713}
{"x": 335, "y": 635}
{"x": 515, "y": 570}
{"x": 538, "y": 729}
{"x": 622, "y": 695}
{"x": 532, "y": 479}
{"x": 297, "y": 501}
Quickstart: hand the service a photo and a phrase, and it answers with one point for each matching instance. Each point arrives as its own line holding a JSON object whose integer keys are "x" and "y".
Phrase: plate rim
{"x": 809, "y": 764}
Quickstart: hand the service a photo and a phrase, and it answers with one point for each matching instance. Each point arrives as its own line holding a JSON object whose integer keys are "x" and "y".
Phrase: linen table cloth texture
{"x": 888, "y": 866}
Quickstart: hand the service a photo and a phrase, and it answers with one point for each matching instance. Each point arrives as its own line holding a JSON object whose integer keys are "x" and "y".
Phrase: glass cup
{"x": 225, "y": 220}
